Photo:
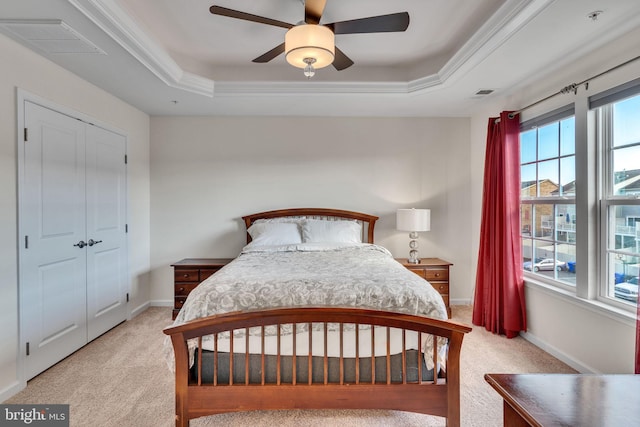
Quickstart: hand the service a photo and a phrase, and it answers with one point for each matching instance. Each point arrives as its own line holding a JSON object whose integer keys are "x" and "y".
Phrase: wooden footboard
{"x": 440, "y": 395}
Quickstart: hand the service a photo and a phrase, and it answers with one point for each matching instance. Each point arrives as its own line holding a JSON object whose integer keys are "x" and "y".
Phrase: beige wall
{"x": 585, "y": 334}
{"x": 208, "y": 172}
{"x": 21, "y": 68}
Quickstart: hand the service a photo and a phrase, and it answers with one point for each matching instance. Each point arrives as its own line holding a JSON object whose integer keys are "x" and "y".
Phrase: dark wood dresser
{"x": 189, "y": 273}
{"x": 436, "y": 271}
{"x": 585, "y": 400}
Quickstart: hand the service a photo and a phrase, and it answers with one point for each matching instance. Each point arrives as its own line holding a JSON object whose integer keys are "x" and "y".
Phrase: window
{"x": 604, "y": 263}
{"x": 618, "y": 123}
{"x": 548, "y": 188}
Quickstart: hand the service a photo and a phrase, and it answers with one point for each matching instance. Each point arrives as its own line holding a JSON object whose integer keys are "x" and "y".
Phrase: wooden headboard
{"x": 367, "y": 221}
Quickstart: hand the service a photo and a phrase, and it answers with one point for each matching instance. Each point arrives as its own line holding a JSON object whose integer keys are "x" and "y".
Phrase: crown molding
{"x": 229, "y": 88}
{"x": 502, "y": 25}
{"x": 112, "y": 19}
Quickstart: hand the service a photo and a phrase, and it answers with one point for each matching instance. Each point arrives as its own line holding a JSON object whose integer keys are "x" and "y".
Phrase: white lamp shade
{"x": 309, "y": 41}
{"x": 413, "y": 219}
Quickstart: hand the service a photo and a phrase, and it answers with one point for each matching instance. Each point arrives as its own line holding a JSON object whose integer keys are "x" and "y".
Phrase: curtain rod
{"x": 571, "y": 88}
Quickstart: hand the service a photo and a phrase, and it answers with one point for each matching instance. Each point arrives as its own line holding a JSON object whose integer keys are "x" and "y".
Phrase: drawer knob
{"x": 181, "y": 289}
{"x": 186, "y": 275}
{"x": 437, "y": 274}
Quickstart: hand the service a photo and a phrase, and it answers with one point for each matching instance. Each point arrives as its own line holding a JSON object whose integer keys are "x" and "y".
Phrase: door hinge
{"x": 26, "y": 242}
{"x": 26, "y": 134}
{"x": 27, "y": 348}
{"x": 126, "y": 228}
{"x": 126, "y": 159}
{"x": 127, "y": 296}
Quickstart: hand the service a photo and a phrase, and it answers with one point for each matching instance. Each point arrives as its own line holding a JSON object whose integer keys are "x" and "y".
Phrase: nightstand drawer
{"x": 443, "y": 288}
{"x": 183, "y": 289}
{"x": 205, "y": 273}
{"x": 436, "y": 274}
{"x": 179, "y": 302}
{"x": 185, "y": 275}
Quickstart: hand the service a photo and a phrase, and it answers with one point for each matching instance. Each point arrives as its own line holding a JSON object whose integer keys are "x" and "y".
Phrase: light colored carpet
{"x": 121, "y": 379}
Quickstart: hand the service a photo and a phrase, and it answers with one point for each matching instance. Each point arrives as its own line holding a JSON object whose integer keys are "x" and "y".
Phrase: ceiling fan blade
{"x": 271, "y": 54}
{"x": 313, "y": 10}
{"x": 341, "y": 61}
{"x": 219, "y": 10}
{"x": 374, "y": 24}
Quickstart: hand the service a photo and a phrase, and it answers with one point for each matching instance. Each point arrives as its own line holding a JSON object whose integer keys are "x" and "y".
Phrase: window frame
{"x": 557, "y": 115}
{"x": 602, "y": 107}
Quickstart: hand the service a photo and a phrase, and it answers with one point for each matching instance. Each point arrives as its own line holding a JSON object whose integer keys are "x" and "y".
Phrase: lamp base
{"x": 413, "y": 256}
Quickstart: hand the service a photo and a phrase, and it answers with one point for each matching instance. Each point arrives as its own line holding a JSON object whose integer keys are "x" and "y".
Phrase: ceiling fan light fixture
{"x": 309, "y": 41}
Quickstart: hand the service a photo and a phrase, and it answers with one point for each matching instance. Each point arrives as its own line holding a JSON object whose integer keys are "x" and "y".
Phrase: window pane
{"x": 544, "y": 221}
{"x": 626, "y": 171}
{"x": 568, "y": 176}
{"x": 552, "y": 261}
{"x": 624, "y": 231}
{"x": 548, "y": 178}
{"x": 528, "y": 146}
{"x": 548, "y": 229}
{"x": 568, "y": 136}
{"x": 623, "y": 278}
{"x": 548, "y": 141}
{"x": 527, "y": 251}
{"x": 566, "y": 223}
{"x": 624, "y": 252}
{"x": 626, "y": 126}
{"x": 529, "y": 187}
{"x": 526, "y": 220}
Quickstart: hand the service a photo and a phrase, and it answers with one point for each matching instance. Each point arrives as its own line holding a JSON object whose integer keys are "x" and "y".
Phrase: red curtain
{"x": 499, "y": 303}
{"x": 638, "y": 338}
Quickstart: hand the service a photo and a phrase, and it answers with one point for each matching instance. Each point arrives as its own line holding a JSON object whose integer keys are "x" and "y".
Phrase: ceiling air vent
{"x": 49, "y": 35}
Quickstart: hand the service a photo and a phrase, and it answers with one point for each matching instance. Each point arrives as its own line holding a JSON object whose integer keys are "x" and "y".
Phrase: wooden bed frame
{"x": 195, "y": 398}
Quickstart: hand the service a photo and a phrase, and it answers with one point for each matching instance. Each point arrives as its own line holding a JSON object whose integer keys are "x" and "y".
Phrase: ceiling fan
{"x": 310, "y": 45}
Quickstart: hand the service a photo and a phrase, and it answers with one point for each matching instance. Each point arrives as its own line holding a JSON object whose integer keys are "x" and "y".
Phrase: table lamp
{"x": 414, "y": 221}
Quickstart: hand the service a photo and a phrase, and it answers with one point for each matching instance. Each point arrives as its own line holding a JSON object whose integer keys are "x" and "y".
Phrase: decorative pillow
{"x": 275, "y": 233}
{"x": 317, "y": 230}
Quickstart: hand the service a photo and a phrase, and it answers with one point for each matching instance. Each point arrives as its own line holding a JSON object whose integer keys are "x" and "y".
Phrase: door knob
{"x": 93, "y": 242}
{"x": 81, "y": 244}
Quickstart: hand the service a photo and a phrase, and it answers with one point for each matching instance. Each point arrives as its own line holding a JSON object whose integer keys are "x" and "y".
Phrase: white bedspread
{"x": 319, "y": 275}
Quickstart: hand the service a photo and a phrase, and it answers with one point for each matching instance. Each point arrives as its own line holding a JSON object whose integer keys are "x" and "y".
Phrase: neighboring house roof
{"x": 527, "y": 185}
{"x": 627, "y": 182}
{"x": 569, "y": 188}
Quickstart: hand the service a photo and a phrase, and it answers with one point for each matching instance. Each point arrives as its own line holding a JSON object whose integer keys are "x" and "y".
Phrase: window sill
{"x": 626, "y": 317}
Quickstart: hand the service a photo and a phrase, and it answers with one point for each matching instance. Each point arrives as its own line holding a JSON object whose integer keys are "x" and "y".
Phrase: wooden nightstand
{"x": 189, "y": 273}
{"x": 436, "y": 271}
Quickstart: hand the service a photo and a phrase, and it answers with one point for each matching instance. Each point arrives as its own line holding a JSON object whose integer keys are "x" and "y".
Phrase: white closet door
{"x": 106, "y": 220}
{"x": 53, "y": 265}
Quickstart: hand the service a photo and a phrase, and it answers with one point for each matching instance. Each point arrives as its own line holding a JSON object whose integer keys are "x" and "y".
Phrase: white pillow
{"x": 321, "y": 231}
{"x": 275, "y": 233}
{"x": 297, "y": 220}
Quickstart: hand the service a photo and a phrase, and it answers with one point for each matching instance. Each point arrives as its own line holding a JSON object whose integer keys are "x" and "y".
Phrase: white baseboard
{"x": 11, "y": 390}
{"x": 161, "y": 303}
{"x": 575, "y": 364}
{"x": 458, "y": 301}
{"x": 139, "y": 309}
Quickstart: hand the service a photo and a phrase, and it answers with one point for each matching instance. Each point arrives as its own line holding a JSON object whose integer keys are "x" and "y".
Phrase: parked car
{"x": 627, "y": 290}
{"x": 528, "y": 264}
{"x": 546, "y": 264}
